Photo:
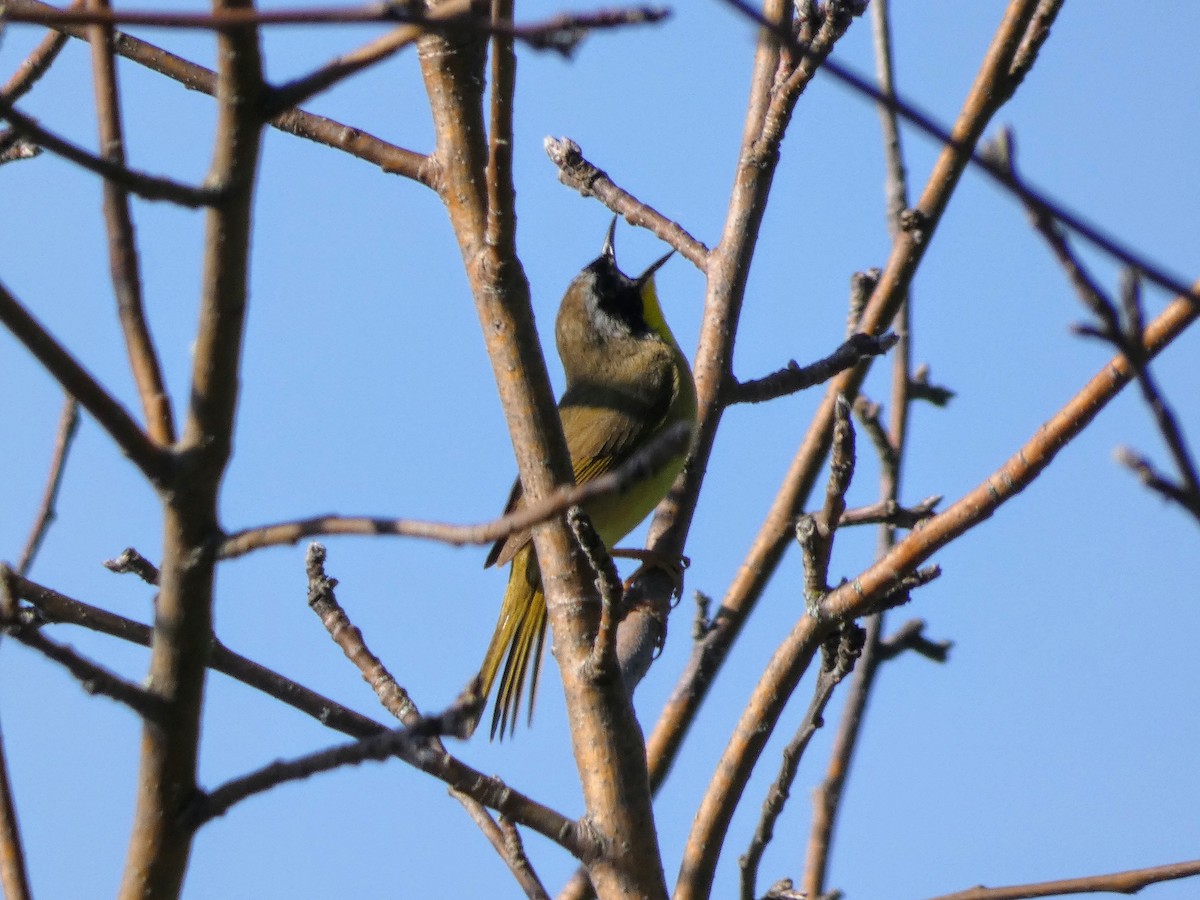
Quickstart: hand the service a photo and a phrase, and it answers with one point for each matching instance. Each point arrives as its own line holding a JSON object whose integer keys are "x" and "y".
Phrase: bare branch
{"x": 507, "y": 843}
{"x": 68, "y": 426}
{"x": 148, "y": 187}
{"x": 417, "y": 751}
{"x": 1128, "y": 882}
{"x": 94, "y": 678}
{"x": 637, "y": 468}
{"x": 354, "y": 141}
{"x": 122, "y": 246}
{"x": 142, "y": 451}
{"x": 911, "y": 636}
{"x": 576, "y": 172}
{"x": 295, "y": 92}
{"x": 14, "y": 879}
{"x": 130, "y": 561}
{"x": 394, "y": 698}
{"x": 1017, "y": 67}
{"x": 793, "y": 378}
{"x": 54, "y": 607}
{"x": 889, "y": 512}
{"x": 35, "y": 65}
{"x": 839, "y": 653}
{"x": 815, "y": 532}
{"x": 608, "y": 584}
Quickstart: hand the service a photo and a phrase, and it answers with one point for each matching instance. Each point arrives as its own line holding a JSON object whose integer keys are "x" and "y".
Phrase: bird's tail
{"x": 518, "y": 640}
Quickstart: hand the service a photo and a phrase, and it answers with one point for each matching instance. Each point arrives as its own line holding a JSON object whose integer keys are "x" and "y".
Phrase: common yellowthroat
{"x": 627, "y": 380}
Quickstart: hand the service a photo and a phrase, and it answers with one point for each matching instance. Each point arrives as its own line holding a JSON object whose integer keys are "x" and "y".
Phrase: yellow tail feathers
{"x": 518, "y": 640}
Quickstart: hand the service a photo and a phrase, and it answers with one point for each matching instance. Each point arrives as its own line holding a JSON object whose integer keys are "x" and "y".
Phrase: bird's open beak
{"x": 654, "y": 267}
{"x": 609, "y": 252}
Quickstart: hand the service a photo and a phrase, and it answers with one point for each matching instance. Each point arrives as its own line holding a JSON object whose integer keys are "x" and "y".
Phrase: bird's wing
{"x": 600, "y": 436}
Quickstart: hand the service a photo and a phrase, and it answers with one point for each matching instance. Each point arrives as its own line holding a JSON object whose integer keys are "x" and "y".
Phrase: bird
{"x": 626, "y": 382}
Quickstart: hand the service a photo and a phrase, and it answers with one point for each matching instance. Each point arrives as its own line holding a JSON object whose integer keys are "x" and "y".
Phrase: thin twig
{"x": 123, "y": 257}
{"x": 296, "y": 91}
{"x": 1017, "y": 66}
{"x": 793, "y": 377}
{"x": 727, "y": 282}
{"x": 561, "y": 33}
{"x": 417, "y": 751}
{"x": 1122, "y": 331}
{"x": 130, "y": 561}
{"x": 353, "y": 141}
{"x": 608, "y": 584}
{"x": 575, "y": 171}
{"x": 507, "y": 843}
{"x": 68, "y": 426}
{"x": 148, "y": 187}
{"x": 911, "y": 636}
{"x": 57, "y": 608}
{"x": 840, "y": 652}
{"x": 93, "y": 677}
{"x": 394, "y": 698}
{"x": 637, "y": 468}
{"x": 1128, "y": 882}
{"x": 14, "y": 878}
{"x": 144, "y": 452}
{"x": 35, "y": 65}
{"x": 891, "y": 513}
{"x": 815, "y": 533}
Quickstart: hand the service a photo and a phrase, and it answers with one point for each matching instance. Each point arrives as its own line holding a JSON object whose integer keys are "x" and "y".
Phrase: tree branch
{"x": 142, "y": 451}
{"x": 68, "y": 426}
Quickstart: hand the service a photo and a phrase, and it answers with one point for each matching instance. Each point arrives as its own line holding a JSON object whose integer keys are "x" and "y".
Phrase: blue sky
{"x": 1059, "y": 739}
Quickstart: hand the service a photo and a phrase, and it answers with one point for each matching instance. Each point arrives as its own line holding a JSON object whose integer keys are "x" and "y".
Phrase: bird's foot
{"x": 672, "y": 564}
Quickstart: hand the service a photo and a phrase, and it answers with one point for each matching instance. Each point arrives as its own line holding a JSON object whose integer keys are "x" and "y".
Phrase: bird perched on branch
{"x": 627, "y": 381}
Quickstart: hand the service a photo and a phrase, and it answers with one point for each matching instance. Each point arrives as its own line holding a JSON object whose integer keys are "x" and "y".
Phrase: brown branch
{"x": 727, "y": 271}
{"x": 14, "y": 879}
{"x": 815, "y": 532}
{"x": 608, "y": 585}
{"x": 1128, "y": 882}
{"x": 142, "y": 451}
{"x": 1160, "y": 484}
{"x": 890, "y": 513}
{"x": 638, "y": 468}
{"x": 220, "y": 19}
{"x": 14, "y": 148}
{"x": 793, "y": 378}
{"x": 459, "y": 720}
{"x": 35, "y": 65}
{"x": 561, "y": 33}
{"x": 578, "y": 173}
{"x": 148, "y": 187}
{"x": 122, "y": 246}
{"x": 840, "y": 652}
{"x": 56, "y": 608}
{"x": 321, "y": 599}
{"x": 160, "y": 843}
{"x": 415, "y": 750}
{"x": 68, "y": 427}
{"x": 1124, "y": 334}
{"x": 1018, "y": 64}
{"x": 990, "y": 90}
{"x": 506, "y": 841}
{"x": 130, "y": 561}
{"x": 93, "y": 677}
{"x": 911, "y": 636}
{"x": 322, "y": 130}
{"x": 606, "y": 740}
{"x": 295, "y": 92}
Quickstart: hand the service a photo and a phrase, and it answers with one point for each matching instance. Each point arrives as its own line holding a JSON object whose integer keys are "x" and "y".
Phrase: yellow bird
{"x": 627, "y": 380}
